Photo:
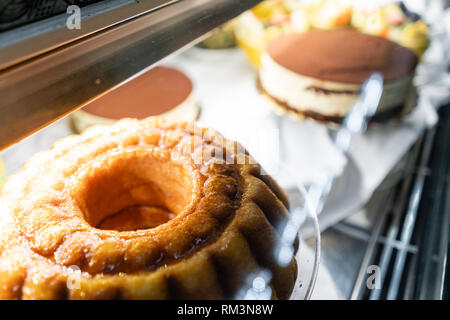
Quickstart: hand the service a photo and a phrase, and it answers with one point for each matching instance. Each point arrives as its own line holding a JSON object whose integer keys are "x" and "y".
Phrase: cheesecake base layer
{"x": 283, "y": 108}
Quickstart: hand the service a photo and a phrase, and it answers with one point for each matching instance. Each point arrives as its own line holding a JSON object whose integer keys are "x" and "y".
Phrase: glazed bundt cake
{"x": 140, "y": 210}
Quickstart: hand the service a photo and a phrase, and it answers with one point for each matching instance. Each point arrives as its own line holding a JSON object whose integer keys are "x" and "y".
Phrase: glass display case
{"x": 384, "y": 213}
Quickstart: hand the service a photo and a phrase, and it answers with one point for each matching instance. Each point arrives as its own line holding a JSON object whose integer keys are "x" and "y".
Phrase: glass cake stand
{"x": 307, "y": 256}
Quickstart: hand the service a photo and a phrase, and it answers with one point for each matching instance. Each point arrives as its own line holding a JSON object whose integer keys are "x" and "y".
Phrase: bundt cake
{"x": 141, "y": 210}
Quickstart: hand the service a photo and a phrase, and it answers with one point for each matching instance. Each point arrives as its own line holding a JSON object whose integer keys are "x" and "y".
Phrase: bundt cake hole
{"x": 136, "y": 217}
{"x": 133, "y": 192}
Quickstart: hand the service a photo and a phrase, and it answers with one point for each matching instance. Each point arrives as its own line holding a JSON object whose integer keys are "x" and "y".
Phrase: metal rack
{"x": 407, "y": 238}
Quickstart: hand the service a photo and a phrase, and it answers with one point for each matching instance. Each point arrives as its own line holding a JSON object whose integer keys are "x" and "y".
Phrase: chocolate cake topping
{"x": 342, "y": 55}
{"x": 152, "y": 93}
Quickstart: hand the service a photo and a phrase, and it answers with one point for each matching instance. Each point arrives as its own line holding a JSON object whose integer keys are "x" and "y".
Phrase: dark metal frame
{"x": 42, "y": 86}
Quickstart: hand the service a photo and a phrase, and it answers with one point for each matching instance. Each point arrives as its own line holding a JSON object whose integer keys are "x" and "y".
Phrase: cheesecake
{"x": 319, "y": 74}
{"x": 161, "y": 91}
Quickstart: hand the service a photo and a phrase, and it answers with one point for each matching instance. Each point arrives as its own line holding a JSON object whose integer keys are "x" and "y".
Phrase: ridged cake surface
{"x": 140, "y": 210}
